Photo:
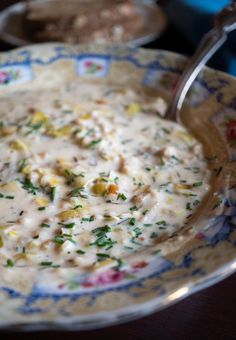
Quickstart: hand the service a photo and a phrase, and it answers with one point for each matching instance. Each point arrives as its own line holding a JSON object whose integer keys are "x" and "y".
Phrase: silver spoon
{"x": 224, "y": 22}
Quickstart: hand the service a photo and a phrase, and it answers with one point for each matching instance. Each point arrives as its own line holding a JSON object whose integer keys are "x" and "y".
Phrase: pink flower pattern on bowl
{"x": 8, "y": 76}
{"x": 92, "y": 67}
{"x": 102, "y": 279}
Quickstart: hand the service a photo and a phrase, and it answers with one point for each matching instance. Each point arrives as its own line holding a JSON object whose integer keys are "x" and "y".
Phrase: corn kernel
{"x": 18, "y": 145}
{"x": 42, "y": 202}
{"x": 99, "y": 188}
{"x": 133, "y": 109}
{"x": 39, "y": 117}
{"x": 10, "y": 187}
{"x": 68, "y": 214}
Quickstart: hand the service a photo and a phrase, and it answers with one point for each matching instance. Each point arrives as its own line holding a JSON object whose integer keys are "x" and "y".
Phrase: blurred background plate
{"x": 12, "y": 24}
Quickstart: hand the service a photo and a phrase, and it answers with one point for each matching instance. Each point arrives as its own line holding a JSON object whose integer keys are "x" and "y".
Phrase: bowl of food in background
{"x": 82, "y": 21}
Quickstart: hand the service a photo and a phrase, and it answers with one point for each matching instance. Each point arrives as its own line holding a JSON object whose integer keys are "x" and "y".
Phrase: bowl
{"x": 191, "y": 259}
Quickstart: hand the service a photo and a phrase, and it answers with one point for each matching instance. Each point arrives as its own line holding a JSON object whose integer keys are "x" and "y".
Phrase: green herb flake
{"x": 70, "y": 175}
{"x": 94, "y": 143}
{"x": 29, "y": 186}
{"x": 197, "y": 184}
{"x": 21, "y": 164}
{"x": 103, "y": 256}
{"x": 53, "y": 193}
{"x": 41, "y": 208}
{"x": 122, "y": 197}
{"x": 138, "y": 232}
{"x": 10, "y": 263}
{"x": 76, "y": 192}
{"x": 153, "y": 235}
{"x": 103, "y": 242}
{"x": 80, "y": 252}
{"x": 188, "y": 206}
{"x": 134, "y": 208}
{"x": 88, "y": 219}
{"x": 101, "y": 231}
{"x": 161, "y": 223}
{"x": 132, "y": 221}
{"x": 60, "y": 239}
{"x": 46, "y": 263}
{"x": 67, "y": 225}
{"x": 45, "y": 225}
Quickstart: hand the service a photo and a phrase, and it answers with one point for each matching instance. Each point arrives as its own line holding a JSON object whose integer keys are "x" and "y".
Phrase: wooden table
{"x": 209, "y": 314}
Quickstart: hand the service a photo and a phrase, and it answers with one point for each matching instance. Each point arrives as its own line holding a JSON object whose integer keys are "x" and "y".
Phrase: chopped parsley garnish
{"x": 176, "y": 159}
{"x": 102, "y": 255}
{"x": 133, "y": 240}
{"x": 101, "y": 231}
{"x": 49, "y": 264}
{"x": 81, "y": 252}
{"x": 138, "y": 232}
{"x": 70, "y": 175}
{"x": 147, "y": 225}
{"x": 41, "y": 208}
{"x": 60, "y": 239}
{"x": 153, "y": 235}
{"x": 34, "y": 127}
{"x": 145, "y": 212}
{"x": 78, "y": 206}
{"x": 197, "y": 184}
{"x": 45, "y": 225}
{"x": 1, "y": 195}
{"x": 120, "y": 263}
{"x": 134, "y": 208}
{"x": 132, "y": 221}
{"x": 46, "y": 263}
{"x": 29, "y": 186}
{"x": 104, "y": 242}
{"x": 10, "y": 197}
{"x": 88, "y": 219}
{"x": 196, "y": 202}
{"x": 10, "y": 263}
{"x": 21, "y": 164}
{"x": 122, "y": 197}
{"x": 161, "y": 223}
{"x": 190, "y": 206}
{"x": 52, "y": 193}
{"x": 102, "y": 239}
{"x": 148, "y": 169}
{"x": 67, "y": 225}
{"x": 116, "y": 179}
{"x": 76, "y": 192}
{"x": 94, "y": 143}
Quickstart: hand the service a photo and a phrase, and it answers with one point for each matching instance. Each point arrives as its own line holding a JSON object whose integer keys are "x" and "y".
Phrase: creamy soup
{"x": 90, "y": 173}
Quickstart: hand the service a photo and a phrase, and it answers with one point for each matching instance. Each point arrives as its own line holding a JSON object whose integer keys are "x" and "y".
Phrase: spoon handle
{"x": 225, "y": 22}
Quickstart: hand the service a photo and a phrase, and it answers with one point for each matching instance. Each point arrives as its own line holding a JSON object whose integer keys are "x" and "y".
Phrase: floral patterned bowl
{"x": 199, "y": 255}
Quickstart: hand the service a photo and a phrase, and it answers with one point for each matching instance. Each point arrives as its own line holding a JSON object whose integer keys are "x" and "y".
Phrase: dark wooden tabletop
{"x": 209, "y": 314}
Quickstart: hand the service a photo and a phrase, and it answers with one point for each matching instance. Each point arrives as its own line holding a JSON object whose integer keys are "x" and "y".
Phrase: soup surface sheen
{"x": 89, "y": 173}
